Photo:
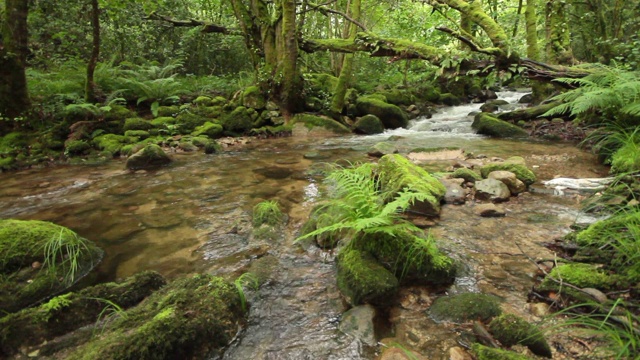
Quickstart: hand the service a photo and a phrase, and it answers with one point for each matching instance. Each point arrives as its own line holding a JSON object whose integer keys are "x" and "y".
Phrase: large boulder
{"x": 486, "y": 124}
{"x": 492, "y": 190}
{"x": 391, "y": 116}
{"x": 149, "y": 157}
{"x": 239, "y": 121}
{"x": 396, "y": 174}
{"x": 40, "y": 259}
{"x": 310, "y": 121}
{"x": 361, "y": 279}
{"x": 369, "y": 125}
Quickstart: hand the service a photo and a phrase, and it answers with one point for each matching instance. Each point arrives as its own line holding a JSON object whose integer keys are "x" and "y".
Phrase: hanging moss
{"x": 465, "y": 307}
{"x": 71, "y": 311}
{"x": 190, "y": 318}
{"x": 511, "y": 330}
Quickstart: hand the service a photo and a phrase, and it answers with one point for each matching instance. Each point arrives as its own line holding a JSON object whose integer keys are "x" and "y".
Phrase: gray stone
{"x": 381, "y": 149}
{"x": 508, "y": 178}
{"x": 150, "y": 156}
{"x": 358, "y": 322}
{"x": 455, "y": 194}
{"x": 492, "y": 190}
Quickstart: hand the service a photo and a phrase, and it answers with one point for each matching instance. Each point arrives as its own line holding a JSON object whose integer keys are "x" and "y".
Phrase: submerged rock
{"x": 358, "y": 322}
{"x": 64, "y": 256}
{"x": 149, "y": 157}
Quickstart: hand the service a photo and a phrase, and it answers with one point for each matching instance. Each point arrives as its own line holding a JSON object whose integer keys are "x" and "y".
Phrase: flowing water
{"x": 194, "y": 216}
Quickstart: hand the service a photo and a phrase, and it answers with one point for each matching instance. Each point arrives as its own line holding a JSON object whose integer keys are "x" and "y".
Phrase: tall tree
{"x": 558, "y": 46}
{"x": 14, "y": 97}
{"x": 346, "y": 72}
{"x": 90, "y": 86}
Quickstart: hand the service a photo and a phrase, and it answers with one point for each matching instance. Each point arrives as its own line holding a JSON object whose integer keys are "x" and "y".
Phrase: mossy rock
{"x": 321, "y": 216}
{"x": 188, "y": 121}
{"x": 467, "y": 174}
{"x": 626, "y": 159}
{"x": 267, "y": 212}
{"x": 522, "y": 172}
{"x": 369, "y": 125}
{"x": 211, "y": 130}
{"x": 212, "y": 147}
{"x": 118, "y": 112}
{"x": 27, "y": 242}
{"x": 465, "y": 307}
{"x": 488, "y": 353}
{"x": 168, "y": 111}
{"x": 203, "y": 101}
{"x": 150, "y": 156}
{"x": 137, "y": 124}
{"x": 399, "y": 96}
{"x": 76, "y": 148}
{"x": 492, "y": 106}
{"x": 391, "y": 116}
{"x": 140, "y": 134}
{"x": 7, "y": 163}
{"x": 361, "y": 279}
{"x": 209, "y": 112}
{"x": 186, "y": 319}
{"x": 449, "y": 99}
{"x": 382, "y": 148}
{"x": 112, "y": 142}
{"x": 68, "y": 312}
{"x": 13, "y": 142}
{"x": 164, "y": 121}
{"x": 200, "y": 140}
{"x": 253, "y": 98}
{"x": 486, "y": 124}
{"x": 239, "y": 121}
{"x": 396, "y": 174}
{"x": 311, "y": 121}
{"x": 580, "y": 275}
{"x": 428, "y": 93}
{"x": 321, "y": 85}
{"x": 511, "y": 330}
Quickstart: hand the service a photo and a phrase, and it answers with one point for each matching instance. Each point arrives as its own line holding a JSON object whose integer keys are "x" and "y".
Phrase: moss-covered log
{"x": 487, "y": 124}
{"x": 191, "y": 318}
{"x": 529, "y": 113}
{"x": 71, "y": 311}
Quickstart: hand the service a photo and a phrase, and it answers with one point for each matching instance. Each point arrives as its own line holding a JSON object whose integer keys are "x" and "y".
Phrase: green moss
{"x": 273, "y": 131}
{"x": 486, "y": 124}
{"x": 391, "y": 116}
{"x": 362, "y": 280}
{"x": 522, "y": 172}
{"x": 7, "y": 163}
{"x": 150, "y": 156}
{"x": 267, "y": 212}
{"x": 487, "y": 353}
{"x": 168, "y": 111}
{"x": 465, "y": 307}
{"x": 13, "y": 142}
{"x": 212, "y": 147}
{"x": 252, "y": 98}
{"x": 187, "y": 318}
{"x": 71, "y": 311}
{"x": 112, "y": 142}
{"x": 511, "y": 330}
{"x": 63, "y": 254}
{"x": 118, "y": 112}
{"x": 238, "y": 121}
{"x": 76, "y": 147}
{"x": 368, "y": 125}
{"x": 140, "y": 134}
{"x": 164, "y": 121}
{"x": 449, "y": 99}
{"x": 200, "y": 141}
{"x": 209, "y": 112}
{"x": 203, "y": 101}
{"x": 397, "y": 174}
{"x": 137, "y": 124}
{"x": 399, "y": 96}
{"x": 311, "y": 121}
{"x": 212, "y": 130}
{"x": 467, "y": 174}
{"x": 577, "y": 274}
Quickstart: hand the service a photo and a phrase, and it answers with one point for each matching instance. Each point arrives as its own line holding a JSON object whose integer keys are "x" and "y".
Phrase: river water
{"x": 194, "y": 216}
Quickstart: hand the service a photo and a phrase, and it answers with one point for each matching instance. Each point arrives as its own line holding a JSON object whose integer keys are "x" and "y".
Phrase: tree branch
{"x": 206, "y": 27}
{"x": 324, "y": 10}
{"x": 472, "y": 45}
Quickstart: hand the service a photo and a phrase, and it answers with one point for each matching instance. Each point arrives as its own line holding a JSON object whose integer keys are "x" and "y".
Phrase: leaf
{"x": 154, "y": 108}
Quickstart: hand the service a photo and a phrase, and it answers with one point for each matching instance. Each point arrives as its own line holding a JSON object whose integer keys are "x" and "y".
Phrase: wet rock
{"x": 382, "y": 148}
{"x": 489, "y": 210}
{"x": 274, "y": 172}
{"x": 458, "y": 353}
{"x": 511, "y": 330}
{"x": 361, "y": 279}
{"x": 396, "y": 173}
{"x": 369, "y": 125}
{"x": 487, "y": 124}
{"x": 488, "y": 353}
{"x": 149, "y": 157}
{"x": 513, "y": 165}
{"x": 493, "y": 105}
{"x": 314, "y": 155}
{"x": 466, "y": 174}
{"x": 358, "y": 322}
{"x": 526, "y": 99}
{"x": 465, "y": 307}
{"x": 508, "y": 178}
{"x": 160, "y": 220}
{"x": 539, "y": 309}
{"x": 492, "y": 190}
{"x": 455, "y": 194}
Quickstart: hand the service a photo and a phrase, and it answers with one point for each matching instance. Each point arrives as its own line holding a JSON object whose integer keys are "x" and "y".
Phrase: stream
{"x": 194, "y": 216}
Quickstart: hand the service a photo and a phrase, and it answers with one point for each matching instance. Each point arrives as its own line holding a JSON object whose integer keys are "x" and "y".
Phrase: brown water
{"x": 194, "y": 215}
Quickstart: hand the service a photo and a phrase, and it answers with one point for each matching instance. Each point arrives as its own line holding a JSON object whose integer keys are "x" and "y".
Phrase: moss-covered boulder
{"x": 310, "y": 121}
{"x": 399, "y": 96}
{"x": 427, "y": 92}
{"x": 40, "y": 259}
{"x": 253, "y": 98}
{"x": 465, "y": 307}
{"x": 68, "y": 312}
{"x": 212, "y": 147}
{"x": 396, "y": 174}
{"x": 140, "y": 134}
{"x": 117, "y": 112}
{"x": 76, "y": 147}
{"x": 361, "y": 279}
{"x": 522, "y": 172}
{"x": 511, "y": 330}
{"x": 580, "y": 275}
{"x": 187, "y": 121}
{"x": 137, "y": 124}
{"x": 168, "y": 111}
{"x": 238, "y": 121}
{"x": 164, "y": 121}
{"x": 528, "y": 113}
{"x": 391, "y": 116}
{"x": 486, "y": 124}
{"x": 369, "y": 125}
{"x": 150, "y": 156}
{"x": 112, "y": 143}
{"x": 382, "y": 148}
{"x": 492, "y": 106}
{"x": 467, "y": 174}
{"x": 189, "y": 318}
{"x": 211, "y": 130}
{"x": 488, "y": 353}
{"x": 203, "y": 101}
{"x": 449, "y": 99}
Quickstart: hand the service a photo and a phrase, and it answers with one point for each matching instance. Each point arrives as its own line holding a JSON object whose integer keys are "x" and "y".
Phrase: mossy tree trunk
{"x": 558, "y": 47}
{"x": 14, "y": 97}
{"x": 270, "y": 35}
{"x": 346, "y": 72}
{"x": 90, "y": 85}
{"x": 533, "y": 49}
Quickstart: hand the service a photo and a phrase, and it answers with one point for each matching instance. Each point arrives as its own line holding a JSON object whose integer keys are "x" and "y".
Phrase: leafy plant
{"x": 245, "y": 280}
{"x": 64, "y": 250}
{"x": 267, "y": 212}
{"x": 109, "y": 312}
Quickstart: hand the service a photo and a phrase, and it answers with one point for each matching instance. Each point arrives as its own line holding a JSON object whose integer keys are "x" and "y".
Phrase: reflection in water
{"x": 191, "y": 216}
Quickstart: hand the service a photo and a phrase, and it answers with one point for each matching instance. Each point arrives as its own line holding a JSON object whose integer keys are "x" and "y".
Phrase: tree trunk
{"x": 14, "y": 97}
{"x": 344, "y": 80}
{"x": 291, "y": 88}
{"x": 90, "y": 86}
{"x": 558, "y": 48}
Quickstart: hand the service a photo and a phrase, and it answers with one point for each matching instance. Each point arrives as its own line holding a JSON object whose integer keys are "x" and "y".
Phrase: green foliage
{"x": 610, "y": 91}
{"x": 511, "y": 330}
{"x": 465, "y": 307}
{"x": 64, "y": 250}
{"x": 248, "y": 280}
{"x": 267, "y": 212}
